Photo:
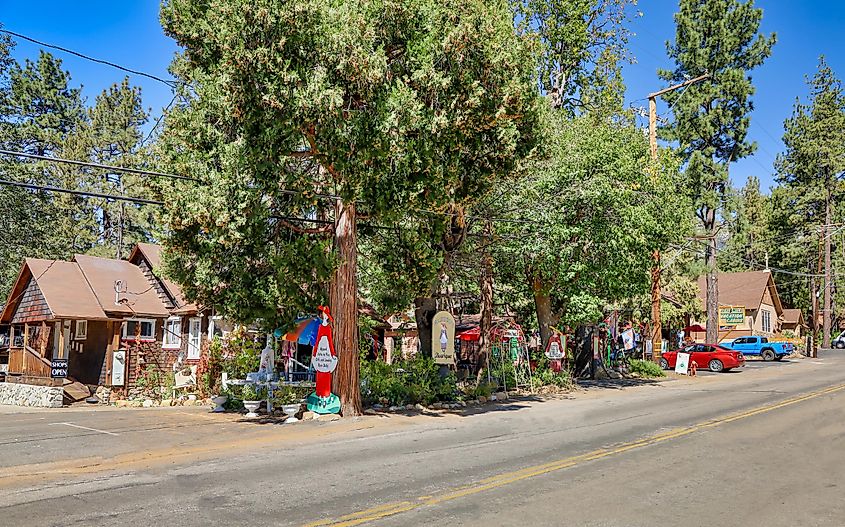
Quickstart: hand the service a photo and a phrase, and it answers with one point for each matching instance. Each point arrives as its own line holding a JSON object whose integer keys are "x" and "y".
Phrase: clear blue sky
{"x": 128, "y": 33}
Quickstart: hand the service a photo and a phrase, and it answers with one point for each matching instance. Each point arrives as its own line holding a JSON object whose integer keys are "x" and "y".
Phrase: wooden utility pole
{"x": 656, "y": 330}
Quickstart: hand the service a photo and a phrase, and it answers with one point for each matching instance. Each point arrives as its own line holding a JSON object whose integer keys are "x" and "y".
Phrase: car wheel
{"x": 840, "y": 344}
{"x": 768, "y": 355}
{"x": 716, "y": 365}
{"x": 664, "y": 364}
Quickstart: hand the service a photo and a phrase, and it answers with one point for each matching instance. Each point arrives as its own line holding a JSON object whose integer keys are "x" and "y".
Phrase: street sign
{"x": 58, "y": 368}
{"x": 731, "y": 315}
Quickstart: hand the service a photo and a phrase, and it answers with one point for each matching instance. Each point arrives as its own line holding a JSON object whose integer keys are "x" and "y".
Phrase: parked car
{"x": 838, "y": 342}
{"x": 711, "y": 356}
{"x": 760, "y": 346}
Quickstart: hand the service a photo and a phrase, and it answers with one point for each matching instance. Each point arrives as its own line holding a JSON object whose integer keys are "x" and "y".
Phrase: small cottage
{"x": 753, "y": 290}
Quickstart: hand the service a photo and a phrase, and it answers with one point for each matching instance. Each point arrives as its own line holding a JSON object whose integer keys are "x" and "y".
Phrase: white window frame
{"x": 169, "y": 340}
{"x": 767, "y": 321}
{"x": 123, "y": 327}
{"x": 194, "y": 352}
{"x": 81, "y": 330}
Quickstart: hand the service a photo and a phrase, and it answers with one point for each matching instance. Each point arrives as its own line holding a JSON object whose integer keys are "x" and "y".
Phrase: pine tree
{"x": 720, "y": 38}
{"x": 814, "y": 162}
{"x": 748, "y": 215}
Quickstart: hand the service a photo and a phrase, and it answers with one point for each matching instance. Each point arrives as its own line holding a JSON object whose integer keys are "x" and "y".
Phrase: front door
{"x": 194, "y": 338}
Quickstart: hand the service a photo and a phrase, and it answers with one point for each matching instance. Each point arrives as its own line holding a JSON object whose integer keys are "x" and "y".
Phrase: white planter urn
{"x": 252, "y": 408}
{"x": 219, "y": 401}
{"x": 290, "y": 410}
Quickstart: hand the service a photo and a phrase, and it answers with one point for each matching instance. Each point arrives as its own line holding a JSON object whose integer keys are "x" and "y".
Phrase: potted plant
{"x": 219, "y": 401}
{"x": 253, "y": 395}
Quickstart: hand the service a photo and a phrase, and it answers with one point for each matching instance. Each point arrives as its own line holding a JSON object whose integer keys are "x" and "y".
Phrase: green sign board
{"x": 731, "y": 315}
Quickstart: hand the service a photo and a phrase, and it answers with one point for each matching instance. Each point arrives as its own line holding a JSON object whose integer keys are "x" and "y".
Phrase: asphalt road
{"x": 759, "y": 447}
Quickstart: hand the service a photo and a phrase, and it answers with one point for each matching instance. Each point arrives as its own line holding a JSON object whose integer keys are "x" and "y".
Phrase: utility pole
{"x": 656, "y": 330}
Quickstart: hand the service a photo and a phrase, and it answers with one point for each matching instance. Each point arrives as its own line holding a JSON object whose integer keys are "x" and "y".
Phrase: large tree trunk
{"x": 827, "y": 286}
{"x": 424, "y": 310}
{"x": 344, "y": 307}
{"x": 543, "y": 305}
{"x": 712, "y": 277}
{"x": 486, "y": 287}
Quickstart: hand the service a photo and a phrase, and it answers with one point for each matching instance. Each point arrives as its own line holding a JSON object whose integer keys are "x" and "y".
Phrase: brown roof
{"x": 742, "y": 289}
{"x": 152, "y": 253}
{"x": 64, "y": 288}
{"x": 792, "y": 316}
{"x": 137, "y": 297}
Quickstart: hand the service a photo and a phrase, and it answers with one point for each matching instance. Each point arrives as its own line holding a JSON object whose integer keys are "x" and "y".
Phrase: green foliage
{"x": 241, "y": 356}
{"x": 341, "y": 97}
{"x": 594, "y": 214}
{"x": 645, "y": 368}
{"x": 155, "y": 382}
{"x": 749, "y": 216}
{"x": 720, "y": 38}
{"x": 42, "y": 113}
{"x": 290, "y": 395}
{"x": 405, "y": 382}
{"x": 252, "y": 392}
{"x": 580, "y": 45}
{"x": 547, "y": 377}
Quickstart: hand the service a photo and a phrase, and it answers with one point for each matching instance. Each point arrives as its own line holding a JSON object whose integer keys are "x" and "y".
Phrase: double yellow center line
{"x": 390, "y": 509}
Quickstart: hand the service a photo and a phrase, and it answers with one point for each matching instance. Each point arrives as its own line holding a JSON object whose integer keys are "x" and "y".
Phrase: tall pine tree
{"x": 720, "y": 38}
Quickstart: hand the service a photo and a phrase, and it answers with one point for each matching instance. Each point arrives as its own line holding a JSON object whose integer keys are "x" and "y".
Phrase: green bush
{"x": 252, "y": 392}
{"x": 290, "y": 394}
{"x": 646, "y": 368}
{"x": 405, "y": 382}
{"x": 547, "y": 377}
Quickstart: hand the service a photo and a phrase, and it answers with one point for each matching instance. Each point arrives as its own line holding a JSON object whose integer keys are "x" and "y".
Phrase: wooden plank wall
{"x": 32, "y": 306}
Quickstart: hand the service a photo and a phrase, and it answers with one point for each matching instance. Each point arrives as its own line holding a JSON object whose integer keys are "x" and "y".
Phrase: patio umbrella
{"x": 695, "y": 328}
{"x": 470, "y": 335}
{"x": 305, "y": 332}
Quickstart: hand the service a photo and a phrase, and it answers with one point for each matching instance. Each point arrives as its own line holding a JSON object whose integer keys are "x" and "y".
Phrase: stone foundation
{"x": 30, "y": 395}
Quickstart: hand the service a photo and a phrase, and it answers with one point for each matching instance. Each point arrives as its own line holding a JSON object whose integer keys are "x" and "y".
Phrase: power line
{"x": 97, "y": 165}
{"x": 169, "y": 82}
{"x": 115, "y": 197}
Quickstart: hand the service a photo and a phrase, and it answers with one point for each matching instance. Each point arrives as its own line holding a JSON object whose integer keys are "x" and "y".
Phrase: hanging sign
{"x": 443, "y": 338}
{"x": 324, "y": 360}
{"x": 58, "y": 368}
{"x": 555, "y": 349}
{"x": 731, "y": 315}
{"x": 628, "y": 339}
{"x": 682, "y": 364}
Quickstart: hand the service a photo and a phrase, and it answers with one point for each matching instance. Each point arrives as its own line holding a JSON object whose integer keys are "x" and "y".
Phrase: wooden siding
{"x": 32, "y": 306}
{"x": 87, "y": 356}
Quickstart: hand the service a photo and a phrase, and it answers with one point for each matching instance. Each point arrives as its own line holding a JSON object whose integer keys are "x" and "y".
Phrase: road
{"x": 759, "y": 447}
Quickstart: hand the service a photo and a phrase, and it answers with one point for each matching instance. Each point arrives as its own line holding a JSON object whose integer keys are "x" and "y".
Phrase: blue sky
{"x": 128, "y": 33}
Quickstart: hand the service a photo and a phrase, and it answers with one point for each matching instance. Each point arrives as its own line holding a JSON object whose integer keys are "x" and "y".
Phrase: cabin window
{"x": 194, "y": 338}
{"x": 767, "y": 322}
{"x": 81, "y": 332}
{"x": 173, "y": 333}
{"x": 147, "y": 328}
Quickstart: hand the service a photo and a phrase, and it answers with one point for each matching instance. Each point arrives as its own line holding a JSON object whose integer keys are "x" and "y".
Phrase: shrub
{"x": 646, "y": 368}
{"x": 547, "y": 377}
{"x": 405, "y": 382}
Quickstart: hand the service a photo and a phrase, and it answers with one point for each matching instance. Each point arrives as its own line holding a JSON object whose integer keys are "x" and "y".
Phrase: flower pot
{"x": 252, "y": 407}
{"x": 219, "y": 401}
{"x": 290, "y": 410}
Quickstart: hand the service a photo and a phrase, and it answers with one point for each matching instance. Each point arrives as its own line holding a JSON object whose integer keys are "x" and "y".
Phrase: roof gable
{"x": 62, "y": 286}
{"x": 743, "y": 289}
{"x": 151, "y": 253}
{"x": 136, "y": 296}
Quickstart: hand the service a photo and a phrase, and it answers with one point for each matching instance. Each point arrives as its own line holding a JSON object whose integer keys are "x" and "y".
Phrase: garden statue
{"x": 324, "y": 360}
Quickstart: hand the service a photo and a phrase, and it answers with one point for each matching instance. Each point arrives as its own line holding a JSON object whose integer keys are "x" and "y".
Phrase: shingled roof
{"x": 742, "y": 289}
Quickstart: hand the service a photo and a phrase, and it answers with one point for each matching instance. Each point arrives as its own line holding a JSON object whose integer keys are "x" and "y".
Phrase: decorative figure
{"x": 324, "y": 360}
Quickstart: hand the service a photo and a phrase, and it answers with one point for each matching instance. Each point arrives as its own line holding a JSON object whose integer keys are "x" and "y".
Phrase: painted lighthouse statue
{"x": 324, "y": 360}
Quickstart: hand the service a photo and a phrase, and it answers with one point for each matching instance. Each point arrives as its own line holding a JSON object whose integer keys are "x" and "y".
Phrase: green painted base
{"x": 323, "y": 405}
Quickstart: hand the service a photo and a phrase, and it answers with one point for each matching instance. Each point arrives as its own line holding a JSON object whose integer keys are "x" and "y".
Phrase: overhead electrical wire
{"x": 169, "y": 82}
{"x": 48, "y": 188}
{"x": 97, "y": 165}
